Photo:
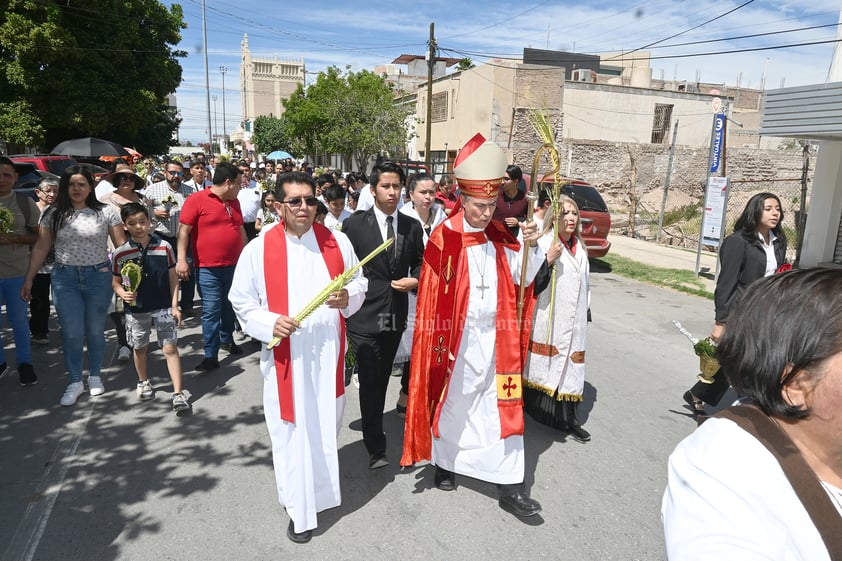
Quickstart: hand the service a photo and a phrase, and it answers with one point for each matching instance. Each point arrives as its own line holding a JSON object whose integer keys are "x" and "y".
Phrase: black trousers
{"x": 375, "y": 354}
{"x": 713, "y": 393}
{"x": 188, "y": 285}
{"x": 251, "y": 231}
{"x": 39, "y": 306}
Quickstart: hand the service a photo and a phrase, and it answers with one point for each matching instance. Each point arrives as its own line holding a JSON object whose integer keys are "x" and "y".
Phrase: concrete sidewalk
{"x": 666, "y": 257}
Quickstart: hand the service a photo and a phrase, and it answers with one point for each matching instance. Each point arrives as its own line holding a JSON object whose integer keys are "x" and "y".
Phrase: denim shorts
{"x": 139, "y": 327}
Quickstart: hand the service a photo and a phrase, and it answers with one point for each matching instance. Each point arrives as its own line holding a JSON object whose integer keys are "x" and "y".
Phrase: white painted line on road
{"x": 29, "y": 532}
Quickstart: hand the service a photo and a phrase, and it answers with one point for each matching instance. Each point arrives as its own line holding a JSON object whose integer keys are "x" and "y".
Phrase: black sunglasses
{"x": 296, "y": 201}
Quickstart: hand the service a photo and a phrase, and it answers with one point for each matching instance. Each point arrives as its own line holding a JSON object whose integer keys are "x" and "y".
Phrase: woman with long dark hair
{"x": 756, "y": 249}
{"x": 78, "y": 227}
{"x": 763, "y": 478}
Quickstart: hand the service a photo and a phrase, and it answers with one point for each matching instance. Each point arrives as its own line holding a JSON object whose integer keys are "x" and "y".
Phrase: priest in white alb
{"x": 303, "y": 391}
{"x": 465, "y": 409}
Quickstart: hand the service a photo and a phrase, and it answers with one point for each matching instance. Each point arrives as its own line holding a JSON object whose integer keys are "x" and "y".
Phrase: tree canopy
{"x": 270, "y": 134}
{"x": 352, "y": 114}
{"x": 89, "y": 68}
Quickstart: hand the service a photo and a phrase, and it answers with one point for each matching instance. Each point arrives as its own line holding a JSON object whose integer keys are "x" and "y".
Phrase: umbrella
{"x": 89, "y": 147}
{"x": 279, "y": 155}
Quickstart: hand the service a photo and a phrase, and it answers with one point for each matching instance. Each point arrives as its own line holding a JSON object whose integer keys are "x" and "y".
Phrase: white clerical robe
{"x": 469, "y": 425}
{"x": 304, "y": 452}
{"x": 569, "y": 329}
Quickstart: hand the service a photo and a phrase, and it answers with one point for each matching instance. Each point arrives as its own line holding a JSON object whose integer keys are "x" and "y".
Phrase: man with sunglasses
{"x": 167, "y": 199}
{"x": 211, "y": 219}
{"x": 303, "y": 394}
{"x": 376, "y": 330}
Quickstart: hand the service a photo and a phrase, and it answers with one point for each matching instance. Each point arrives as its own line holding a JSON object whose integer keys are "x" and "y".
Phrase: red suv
{"x": 596, "y": 221}
{"x": 51, "y": 163}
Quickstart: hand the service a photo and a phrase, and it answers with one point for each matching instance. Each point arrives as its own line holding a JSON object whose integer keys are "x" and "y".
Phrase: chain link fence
{"x": 682, "y": 221}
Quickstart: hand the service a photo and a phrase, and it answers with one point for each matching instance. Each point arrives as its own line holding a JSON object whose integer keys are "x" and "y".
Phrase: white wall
{"x": 624, "y": 114}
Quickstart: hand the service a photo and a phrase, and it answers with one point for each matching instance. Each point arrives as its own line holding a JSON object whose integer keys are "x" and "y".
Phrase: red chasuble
{"x": 277, "y": 296}
{"x": 443, "y": 291}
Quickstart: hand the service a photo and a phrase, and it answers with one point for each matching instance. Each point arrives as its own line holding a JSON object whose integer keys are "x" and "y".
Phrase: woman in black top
{"x": 756, "y": 249}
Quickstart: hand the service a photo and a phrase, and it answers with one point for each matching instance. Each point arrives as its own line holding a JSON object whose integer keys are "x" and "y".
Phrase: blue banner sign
{"x": 718, "y": 130}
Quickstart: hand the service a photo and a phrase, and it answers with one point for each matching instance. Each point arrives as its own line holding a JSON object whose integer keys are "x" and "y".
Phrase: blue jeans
{"x": 17, "y": 314}
{"x": 217, "y": 313}
{"x": 81, "y": 296}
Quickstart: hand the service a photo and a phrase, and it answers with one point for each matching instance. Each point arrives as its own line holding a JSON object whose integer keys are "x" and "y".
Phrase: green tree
{"x": 353, "y": 115}
{"x": 269, "y": 134}
{"x": 465, "y": 64}
{"x": 89, "y": 68}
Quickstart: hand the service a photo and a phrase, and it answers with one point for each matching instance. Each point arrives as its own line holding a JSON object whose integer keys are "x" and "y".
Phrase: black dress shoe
{"x": 578, "y": 433}
{"x": 696, "y": 404}
{"x": 377, "y": 461}
{"x": 208, "y": 363}
{"x": 232, "y": 348}
{"x": 519, "y": 503}
{"x": 301, "y": 537}
{"x": 444, "y": 480}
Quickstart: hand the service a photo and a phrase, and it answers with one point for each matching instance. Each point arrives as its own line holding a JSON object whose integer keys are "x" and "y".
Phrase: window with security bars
{"x": 661, "y": 123}
{"x": 439, "y": 110}
{"x": 837, "y": 253}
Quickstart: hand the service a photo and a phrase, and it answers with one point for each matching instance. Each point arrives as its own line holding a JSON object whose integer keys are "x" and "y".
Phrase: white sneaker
{"x": 145, "y": 391}
{"x": 125, "y": 354}
{"x": 95, "y": 386}
{"x": 72, "y": 393}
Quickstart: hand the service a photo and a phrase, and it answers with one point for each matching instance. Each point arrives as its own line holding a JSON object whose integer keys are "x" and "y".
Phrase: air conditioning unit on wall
{"x": 583, "y": 75}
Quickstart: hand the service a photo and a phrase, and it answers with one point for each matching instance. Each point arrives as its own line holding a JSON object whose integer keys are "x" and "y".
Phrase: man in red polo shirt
{"x": 213, "y": 222}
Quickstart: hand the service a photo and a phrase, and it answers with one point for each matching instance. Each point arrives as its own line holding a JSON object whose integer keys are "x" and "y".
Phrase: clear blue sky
{"x": 362, "y": 35}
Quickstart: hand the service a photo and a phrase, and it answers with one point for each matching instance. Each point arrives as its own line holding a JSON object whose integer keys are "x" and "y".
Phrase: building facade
{"x": 264, "y": 82}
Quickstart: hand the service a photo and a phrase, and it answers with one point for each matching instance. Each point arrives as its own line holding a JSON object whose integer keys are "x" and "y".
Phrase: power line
{"x": 511, "y": 56}
{"x": 660, "y": 57}
{"x": 690, "y": 29}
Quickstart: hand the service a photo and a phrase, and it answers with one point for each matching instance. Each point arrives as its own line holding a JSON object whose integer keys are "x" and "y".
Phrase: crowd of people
{"x": 429, "y": 284}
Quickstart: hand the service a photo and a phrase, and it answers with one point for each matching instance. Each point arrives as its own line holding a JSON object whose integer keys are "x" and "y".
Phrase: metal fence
{"x": 683, "y": 220}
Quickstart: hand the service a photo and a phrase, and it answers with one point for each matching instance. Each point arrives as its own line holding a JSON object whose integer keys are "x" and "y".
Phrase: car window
{"x": 586, "y": 197}
{"x": 57, "y": 167}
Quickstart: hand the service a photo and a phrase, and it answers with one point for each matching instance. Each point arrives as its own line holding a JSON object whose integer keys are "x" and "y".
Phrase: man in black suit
{"x": 375, "y": 330}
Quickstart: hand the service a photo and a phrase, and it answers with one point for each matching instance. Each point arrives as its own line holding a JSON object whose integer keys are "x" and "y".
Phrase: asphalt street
{"x": 113, "y": 478}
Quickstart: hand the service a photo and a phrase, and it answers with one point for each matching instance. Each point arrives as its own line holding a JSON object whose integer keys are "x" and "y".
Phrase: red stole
{"x": 440, "y": 319}
{"x": 277, "y": 296}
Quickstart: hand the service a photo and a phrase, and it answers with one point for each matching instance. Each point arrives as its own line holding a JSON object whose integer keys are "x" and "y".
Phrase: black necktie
{"x": 390, "y": 235}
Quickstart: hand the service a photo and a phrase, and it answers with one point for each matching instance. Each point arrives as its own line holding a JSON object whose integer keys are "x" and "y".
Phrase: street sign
{"x": 717, "y": 104}
{"x": 718, "y": 130}
{"x": 715, "y": 197}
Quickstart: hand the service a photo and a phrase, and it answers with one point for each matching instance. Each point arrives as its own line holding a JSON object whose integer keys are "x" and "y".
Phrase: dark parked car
{"x": 596, "y": 220}
{"x": 29, "y": 177}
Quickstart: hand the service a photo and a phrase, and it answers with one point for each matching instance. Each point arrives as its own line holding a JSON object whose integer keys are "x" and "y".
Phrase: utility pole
{"x": 223, "y": 70}
{"x": 215, "y": 122}
{"x": 207, "y": 79}
{"x": 431, "y": 62}
{"x": 667, "y": 183}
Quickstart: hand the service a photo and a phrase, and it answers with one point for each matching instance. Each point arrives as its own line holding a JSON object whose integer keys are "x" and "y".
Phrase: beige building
{"x": 264, "y": 82}
{"x": 494, "y": 99}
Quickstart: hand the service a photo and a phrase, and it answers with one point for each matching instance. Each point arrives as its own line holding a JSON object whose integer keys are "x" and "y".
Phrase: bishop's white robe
{"x": 568, "y": 331}
{"x": 304, "y": 452}
{"x": 469, "y": 424}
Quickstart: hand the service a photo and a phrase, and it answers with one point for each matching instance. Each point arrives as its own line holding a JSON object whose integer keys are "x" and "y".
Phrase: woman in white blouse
{"x": 78, "y": 226}
{"x": 729, "y": 495}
